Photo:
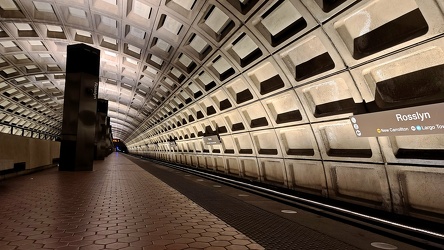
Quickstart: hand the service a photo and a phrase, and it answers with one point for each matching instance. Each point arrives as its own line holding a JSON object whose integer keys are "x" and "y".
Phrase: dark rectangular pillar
{"x": 101, "y": 127}
{"x": 79, "y": 108}
{"x": 109, "y": 136}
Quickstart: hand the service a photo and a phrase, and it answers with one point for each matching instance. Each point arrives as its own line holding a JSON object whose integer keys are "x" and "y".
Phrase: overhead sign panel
{"x": 211, "y": 140}
{"x": 420, "y": 120}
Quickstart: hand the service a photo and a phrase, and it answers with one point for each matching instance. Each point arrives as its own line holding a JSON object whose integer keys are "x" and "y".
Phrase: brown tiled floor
{"x": 117, "y": 206}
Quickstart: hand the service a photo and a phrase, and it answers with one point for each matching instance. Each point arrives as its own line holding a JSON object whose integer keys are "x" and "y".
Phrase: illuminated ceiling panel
{"x": 169, "y": 55}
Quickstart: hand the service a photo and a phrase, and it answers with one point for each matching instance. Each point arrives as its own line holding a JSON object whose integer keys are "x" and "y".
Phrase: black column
{"x": 79, "y": 108}
{"x": 109, "y": 137}
{"x": 100, "y": 143}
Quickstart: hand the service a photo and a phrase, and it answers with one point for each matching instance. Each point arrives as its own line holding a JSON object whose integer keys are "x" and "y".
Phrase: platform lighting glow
{"x": 296, "y": 198}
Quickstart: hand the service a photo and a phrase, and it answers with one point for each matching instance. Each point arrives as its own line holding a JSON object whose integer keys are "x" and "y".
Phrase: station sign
{"x": 167, "y": 143}
{"x": 419, "y": 120}
{"x": 211, "y": 140}
{"x": 116, "y": 140}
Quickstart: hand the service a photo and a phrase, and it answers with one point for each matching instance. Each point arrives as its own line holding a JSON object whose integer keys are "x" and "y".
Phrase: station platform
{"x": 128, "y": 203}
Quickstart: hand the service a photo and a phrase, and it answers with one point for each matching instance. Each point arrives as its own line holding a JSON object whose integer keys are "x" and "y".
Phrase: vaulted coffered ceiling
{"x": 141, "y": 63}
{"x": 166, "y": 60}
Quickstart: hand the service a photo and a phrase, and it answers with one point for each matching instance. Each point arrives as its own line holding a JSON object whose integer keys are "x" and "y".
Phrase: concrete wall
{"x": 34, "y": 152}
{"x": 283, "y": 95}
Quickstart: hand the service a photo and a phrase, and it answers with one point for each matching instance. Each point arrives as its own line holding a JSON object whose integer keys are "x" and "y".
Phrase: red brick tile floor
{"x": 117, "y": 206}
